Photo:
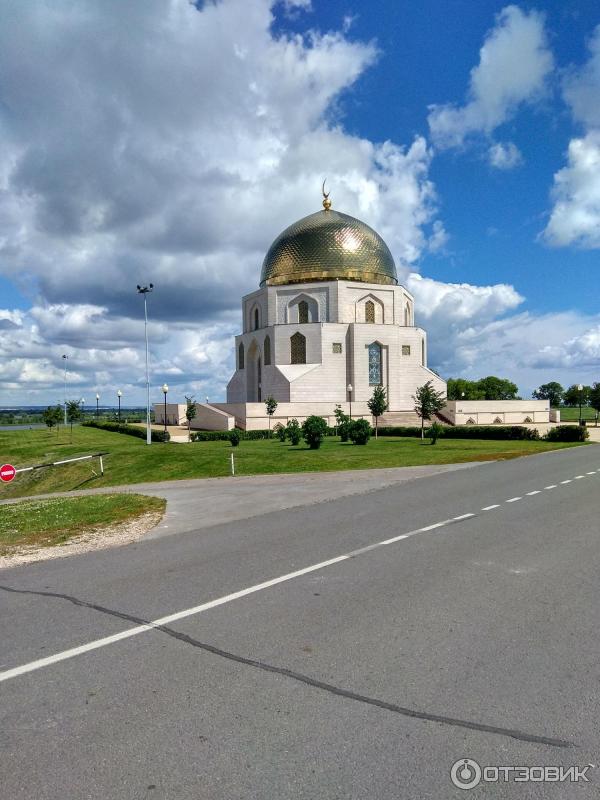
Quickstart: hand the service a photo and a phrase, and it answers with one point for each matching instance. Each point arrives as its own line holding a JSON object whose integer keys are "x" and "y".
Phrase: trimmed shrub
{"x": 280, "y": 432}
{"x": 360, "y": 431}
{"x": 294, "y": 431}
{"x": 469, "y": 432}
{"x": 129, "y": 430}
{"x": 223, "y": 436}
{"x": 567, "y": 433}
{"x": 434, "y": 431}
{"x": 313, "y": 430}
{"x": 234, "y": 437}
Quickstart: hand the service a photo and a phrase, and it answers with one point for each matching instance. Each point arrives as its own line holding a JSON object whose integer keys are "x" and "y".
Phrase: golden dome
{"x": 328, "y": 246}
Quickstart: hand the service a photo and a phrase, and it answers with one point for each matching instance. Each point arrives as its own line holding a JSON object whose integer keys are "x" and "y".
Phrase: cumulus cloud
{"x": 163, "y": 142}
{"x": 505, "y": 155}
{"x": 575, "y": 215}
{"x": 514, "y": 62}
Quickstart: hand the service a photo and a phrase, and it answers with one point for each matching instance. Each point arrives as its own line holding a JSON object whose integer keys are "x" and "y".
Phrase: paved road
{"x": 351, "y": 649}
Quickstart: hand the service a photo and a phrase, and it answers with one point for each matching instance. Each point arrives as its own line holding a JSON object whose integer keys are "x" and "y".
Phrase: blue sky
{"x": 158, "y": 141}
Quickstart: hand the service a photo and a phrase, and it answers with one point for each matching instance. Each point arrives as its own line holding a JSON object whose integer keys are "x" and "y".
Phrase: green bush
{"x": 280, "y": 432}
{"x": 294, "y": 431}
{"x": 434, "y": 431}
{"x": 469, "y": 432}
{"x": 567, "y": 433}
{"x": 234, "y": 437}
{"x": 223, "y": 436}
{"x": 129, "y": 430}
{"x": 313, "y": 430}
{"x": 359, "y": 431}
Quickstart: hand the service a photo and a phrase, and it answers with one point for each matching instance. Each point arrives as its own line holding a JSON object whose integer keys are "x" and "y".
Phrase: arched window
{"x": 407, "y": 315}
{"x": 298, "y": 349}
{"x": 423, "y": 352}
{"x": 374, "y": 364}
{"x": 369, "y": 311}
{"x": 302, "y": 312}
{"x": 241, "y": 356}
{"x": 267, "y": 351}
{"x": 256, "y": 319}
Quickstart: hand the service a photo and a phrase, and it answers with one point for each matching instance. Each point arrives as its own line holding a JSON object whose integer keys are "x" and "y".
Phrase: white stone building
{"x": 329, "y": 315}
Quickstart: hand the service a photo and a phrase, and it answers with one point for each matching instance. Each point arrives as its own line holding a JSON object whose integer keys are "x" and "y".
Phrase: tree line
{"x": 494, "y": 388}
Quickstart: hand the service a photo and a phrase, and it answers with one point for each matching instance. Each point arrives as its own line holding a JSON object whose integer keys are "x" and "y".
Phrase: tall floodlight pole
{"x": 97, "y": 401}
{"x": 144, "y": 290}
{"x": 119, "y": 395}
{"x": 66, "y": 358}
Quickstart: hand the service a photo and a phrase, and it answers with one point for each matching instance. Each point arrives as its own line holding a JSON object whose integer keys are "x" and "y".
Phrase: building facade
{"x": 328, "y": 324}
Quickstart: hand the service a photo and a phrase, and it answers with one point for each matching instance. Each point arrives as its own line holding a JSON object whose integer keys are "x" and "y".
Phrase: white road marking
{"x": 578, "y": 477}
{"x": 189, "y": 612}
{"x": 96, "y": 644}
{"x": 529, "y": 494}
{"x": 593, "y": 472}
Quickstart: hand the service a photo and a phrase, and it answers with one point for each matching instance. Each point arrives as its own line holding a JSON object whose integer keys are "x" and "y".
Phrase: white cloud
{"x": 161, "y": 142}
{"x": 505, "y": 155}
{"x": 513, "y": 64}
{"x": 575, "y": 215}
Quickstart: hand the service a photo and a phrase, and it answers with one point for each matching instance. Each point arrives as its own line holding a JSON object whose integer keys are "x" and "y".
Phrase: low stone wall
{"x": 496, "y": 412}
{"x": 210, "y": 418}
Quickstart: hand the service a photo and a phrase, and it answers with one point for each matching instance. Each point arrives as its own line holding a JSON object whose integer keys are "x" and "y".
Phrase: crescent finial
{"x": 326, "y": 200}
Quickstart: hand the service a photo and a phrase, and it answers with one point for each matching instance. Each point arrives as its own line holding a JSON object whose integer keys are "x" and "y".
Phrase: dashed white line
{"x": 579, "y": 477}
{"x": 188, "y": 612}
{"x": 593, "y": 472}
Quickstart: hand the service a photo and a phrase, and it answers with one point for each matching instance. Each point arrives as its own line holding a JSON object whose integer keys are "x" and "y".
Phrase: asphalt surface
{"x": 366, "y": 677}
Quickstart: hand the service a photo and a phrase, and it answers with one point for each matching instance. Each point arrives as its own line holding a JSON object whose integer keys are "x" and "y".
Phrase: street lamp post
{"x": 82, "y": 403}
{"x": 349, "y": 388}
{"x": 66, "y": 358}
{"x": 145, "y": 290}
{"x": 97, "y": 401}
{"x": 165, "y": 389}
{"x": 580, "y": 390}
{"x": 119, "y": 395}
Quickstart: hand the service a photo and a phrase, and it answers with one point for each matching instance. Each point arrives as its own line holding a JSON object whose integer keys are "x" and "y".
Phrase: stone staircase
{"x": 399, "y": 418}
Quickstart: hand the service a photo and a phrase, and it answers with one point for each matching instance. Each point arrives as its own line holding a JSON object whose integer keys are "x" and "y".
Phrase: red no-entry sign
{"x": 7, "y": 472}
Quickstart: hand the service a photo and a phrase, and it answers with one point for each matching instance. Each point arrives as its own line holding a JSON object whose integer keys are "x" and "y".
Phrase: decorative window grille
{"x": 241, "y": 356}
{"x": 470, "y": 421}
{"x": 423, "y": 352}
{"x": 256, "y": 319}
{"x": 405, "y": 349}
{"x": 497, "y": 421}
{"x": 374, "y": 364}
{"x": 298, "y": 349}
{"x": 369, "y": 311}
{"x": 302, "y": 312}
{"x": 528, "y": 420}
{"x": 337, "y": 347}
{"x": 267, "y": 349}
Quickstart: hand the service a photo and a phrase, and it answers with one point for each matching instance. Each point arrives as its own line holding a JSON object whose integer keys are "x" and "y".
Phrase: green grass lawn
{"x": 572, "y": 414}
{"x": 131, "y": 460}
{"x": 46, "y": 523}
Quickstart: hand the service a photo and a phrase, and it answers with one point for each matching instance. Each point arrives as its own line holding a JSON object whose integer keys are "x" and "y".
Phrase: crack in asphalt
{"x": 512, "y": 733}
